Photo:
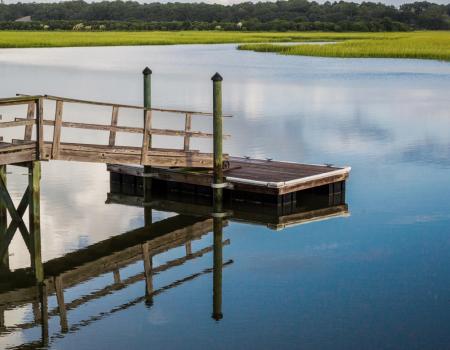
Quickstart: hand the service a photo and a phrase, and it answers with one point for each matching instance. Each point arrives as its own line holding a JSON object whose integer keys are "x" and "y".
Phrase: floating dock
{"x": 249, "y": 180}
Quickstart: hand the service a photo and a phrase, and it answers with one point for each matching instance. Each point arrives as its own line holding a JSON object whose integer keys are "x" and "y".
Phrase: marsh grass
{"x": 18, "y": 39}
{"x": 422, "y": 45}
{"x": 426, "y": 44}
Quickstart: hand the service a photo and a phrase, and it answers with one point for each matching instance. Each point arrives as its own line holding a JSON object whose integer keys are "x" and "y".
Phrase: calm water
{"x": 379, "y": 278}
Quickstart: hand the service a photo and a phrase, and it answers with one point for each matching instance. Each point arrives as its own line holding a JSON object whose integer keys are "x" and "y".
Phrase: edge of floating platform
{"x": 273, "y": 178}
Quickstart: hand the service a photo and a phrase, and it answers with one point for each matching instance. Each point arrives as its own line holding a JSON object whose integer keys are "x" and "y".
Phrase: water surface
{"x": 376, "y": 279}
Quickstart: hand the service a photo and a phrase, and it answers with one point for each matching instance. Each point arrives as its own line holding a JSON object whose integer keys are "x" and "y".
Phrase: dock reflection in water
{"x": 18, "y": 289}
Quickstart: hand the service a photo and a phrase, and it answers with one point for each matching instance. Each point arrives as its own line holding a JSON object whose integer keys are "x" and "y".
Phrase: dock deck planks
{"x": 250, "y": 175}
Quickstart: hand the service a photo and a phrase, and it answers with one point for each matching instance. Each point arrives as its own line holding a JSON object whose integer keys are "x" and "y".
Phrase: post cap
{"x": 147, "y": 71}
{"x": 217, "y": 77}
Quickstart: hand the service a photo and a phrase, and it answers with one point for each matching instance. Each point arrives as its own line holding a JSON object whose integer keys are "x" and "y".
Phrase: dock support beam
{"x": 4, "y": 261}
{"x": 147, "y": 181}
{"x": 217, "y": 149}
{"x": 34, "y": 210}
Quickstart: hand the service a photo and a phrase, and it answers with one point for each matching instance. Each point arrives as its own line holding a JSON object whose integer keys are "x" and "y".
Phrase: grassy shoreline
{"x": 414, "y": 45}
{"x": 29, "y": 39}
{"x": 425, "y": 45}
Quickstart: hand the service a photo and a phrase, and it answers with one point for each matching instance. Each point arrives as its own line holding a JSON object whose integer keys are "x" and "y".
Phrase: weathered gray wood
{"x": 189, "y": 160}
{"x": 114, "y": 120}
{"x": 18, "y": 157}
{"x": 73, "y": 100}
{"x": 30, "y": 115}
{"x": 128, "y": 129}
{"x": 15, "y": 123}
{"x": 187, "y": 129}
{"x": 40, "y": 127}
{"x": 146, "y": 139}
{"x": 59, "y": 291}
{"x": 57, "y": 129}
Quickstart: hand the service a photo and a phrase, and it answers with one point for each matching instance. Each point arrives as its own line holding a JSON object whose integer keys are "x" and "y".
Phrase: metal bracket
{"x": 221, "y": 185}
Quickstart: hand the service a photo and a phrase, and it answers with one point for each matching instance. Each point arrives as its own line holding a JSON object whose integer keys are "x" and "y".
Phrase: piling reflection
{"x": 196, "y": 220}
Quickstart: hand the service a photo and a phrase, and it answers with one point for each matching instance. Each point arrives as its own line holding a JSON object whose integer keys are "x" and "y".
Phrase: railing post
{"x": 217, "y": 149}
{"x": 147, "y": 181}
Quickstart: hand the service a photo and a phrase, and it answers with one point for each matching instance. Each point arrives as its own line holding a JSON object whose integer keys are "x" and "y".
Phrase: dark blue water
{"x": 378, "y": 278}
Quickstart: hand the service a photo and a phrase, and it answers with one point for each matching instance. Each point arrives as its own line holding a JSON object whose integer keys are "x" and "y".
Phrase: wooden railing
{"x": 23, "y": 150}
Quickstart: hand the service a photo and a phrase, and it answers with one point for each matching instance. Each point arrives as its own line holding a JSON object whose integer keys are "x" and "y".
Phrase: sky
{"x": 228, "y": 2}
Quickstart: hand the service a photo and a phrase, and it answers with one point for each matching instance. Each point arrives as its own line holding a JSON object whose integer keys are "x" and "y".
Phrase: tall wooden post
{"x": 34, "y": 178}
{"x": 4, "y": 260}
{"x": 217, "y": 269}
{"x": 43, "y": 295}
{"x": 217, "y": 149}
{"x": 147, "y": 181}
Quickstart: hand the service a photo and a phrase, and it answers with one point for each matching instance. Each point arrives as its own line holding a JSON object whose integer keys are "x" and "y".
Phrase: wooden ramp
{"x": 40, "y": 147}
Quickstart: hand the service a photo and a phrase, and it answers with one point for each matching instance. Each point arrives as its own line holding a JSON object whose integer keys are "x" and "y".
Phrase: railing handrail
{"x": 26, "y": 98}
{"x": 19, "y": 99}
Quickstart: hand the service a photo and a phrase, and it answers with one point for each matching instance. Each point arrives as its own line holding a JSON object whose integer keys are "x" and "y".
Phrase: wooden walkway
{"x": 40, "y": 148}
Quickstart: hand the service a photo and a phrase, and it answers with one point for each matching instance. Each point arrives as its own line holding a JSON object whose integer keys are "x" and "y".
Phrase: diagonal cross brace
{"x": 16, "y": 216}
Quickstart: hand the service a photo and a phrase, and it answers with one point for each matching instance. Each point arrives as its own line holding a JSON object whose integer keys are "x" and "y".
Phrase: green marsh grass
{"x": 426, "y": 44}
{"x": 419, "y": 45}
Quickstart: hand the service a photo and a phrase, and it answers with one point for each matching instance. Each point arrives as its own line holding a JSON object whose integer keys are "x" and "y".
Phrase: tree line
{"x": 290, "y": 15}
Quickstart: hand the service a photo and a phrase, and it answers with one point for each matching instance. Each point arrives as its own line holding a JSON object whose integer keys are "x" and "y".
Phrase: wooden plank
{"x": 57, "y": 129}
{"x": 15, "y": 123}
{"x": 18, "y": 157}
{"x": 191, "y": 160}
{"x": 129, "y": 129}
{"x": 187, "y": 129}
{"x": 146, "y": 139}
{"x": 18, "y": 99}
{"x": 114, "y": 120}
{"x": 98, "y": 103}
{"x": 30, "y": 115}
{"x": 118, "y": 149}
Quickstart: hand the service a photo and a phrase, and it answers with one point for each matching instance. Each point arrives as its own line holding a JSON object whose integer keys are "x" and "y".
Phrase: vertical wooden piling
{"x": 147, "y": 181}
{"x": 217, "y": 269}
{"x": 43, "y": 294}
{"x": 217, "y": 148}
{"x": 148, "y": 267}
{"x": 34, "y": 178}
{"x": 59, "y": 291}
{"x": 4, "y": 260}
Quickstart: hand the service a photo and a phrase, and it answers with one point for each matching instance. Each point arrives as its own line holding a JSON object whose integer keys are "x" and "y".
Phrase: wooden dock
{"x": 254, "y": 180}
{"x": 17, "y": 151}
{"x": 147, "y": 169}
